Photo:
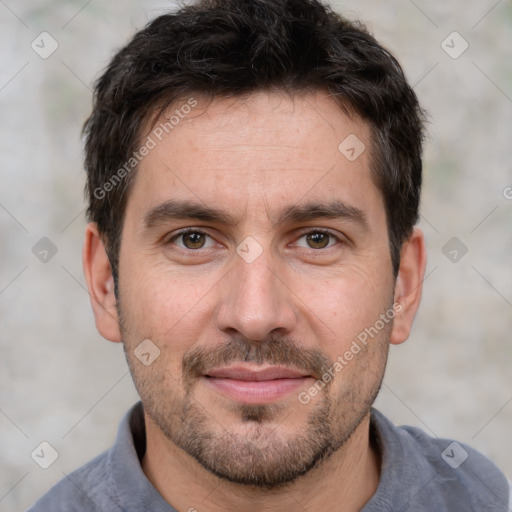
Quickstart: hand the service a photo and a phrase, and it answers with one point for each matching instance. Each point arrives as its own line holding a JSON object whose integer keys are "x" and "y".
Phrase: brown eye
{"x": 318, "y": 239}
{"x": 193, "y": 240}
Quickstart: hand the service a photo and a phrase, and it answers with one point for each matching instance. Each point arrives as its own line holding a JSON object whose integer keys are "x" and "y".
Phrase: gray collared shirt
{"x": 419, "y": 474}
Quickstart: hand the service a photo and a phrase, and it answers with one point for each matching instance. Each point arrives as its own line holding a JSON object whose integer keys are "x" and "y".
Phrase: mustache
{"x": 273, "y": 350}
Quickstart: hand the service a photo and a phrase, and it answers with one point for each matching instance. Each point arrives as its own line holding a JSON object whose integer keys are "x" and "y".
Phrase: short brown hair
{"x": 222, "y": 48}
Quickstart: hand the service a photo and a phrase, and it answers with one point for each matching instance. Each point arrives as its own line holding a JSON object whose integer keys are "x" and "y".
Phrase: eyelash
{"x": 198, "y": 231}
{"x": 186, "y": 231}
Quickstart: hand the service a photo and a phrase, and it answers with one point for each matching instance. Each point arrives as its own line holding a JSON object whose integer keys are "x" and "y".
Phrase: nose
{"x": 255, "y": 301}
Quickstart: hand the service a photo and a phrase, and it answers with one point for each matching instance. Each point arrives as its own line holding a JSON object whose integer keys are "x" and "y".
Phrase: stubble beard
{"x": 258, "y": 455}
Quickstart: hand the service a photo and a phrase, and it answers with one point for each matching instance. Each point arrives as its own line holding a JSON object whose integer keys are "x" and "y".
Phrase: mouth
{"x": 254, "y": 385}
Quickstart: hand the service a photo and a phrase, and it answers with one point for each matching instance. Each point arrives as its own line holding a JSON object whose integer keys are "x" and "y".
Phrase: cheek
{"x": 344, "y": 303}
{"x": 166, "y": 306}
{"x": 358, "y": 351}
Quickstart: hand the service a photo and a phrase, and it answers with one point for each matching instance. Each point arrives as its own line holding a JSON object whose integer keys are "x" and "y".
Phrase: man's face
{"x": 253, "y": 254}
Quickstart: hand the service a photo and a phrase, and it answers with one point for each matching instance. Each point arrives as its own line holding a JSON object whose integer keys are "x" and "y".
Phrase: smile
{"x": 256, "y": 386}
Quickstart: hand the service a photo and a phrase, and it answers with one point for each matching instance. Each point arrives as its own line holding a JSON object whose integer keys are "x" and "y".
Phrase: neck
{"x": 343, "y": 483}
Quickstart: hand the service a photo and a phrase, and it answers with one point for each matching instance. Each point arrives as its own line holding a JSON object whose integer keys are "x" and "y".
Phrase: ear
{"x": 100, "y": 282}
{"x": 408, "y": 286}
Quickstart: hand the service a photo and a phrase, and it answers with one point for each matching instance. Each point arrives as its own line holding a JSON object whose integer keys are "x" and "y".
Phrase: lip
{"x": 255, "y": 385}
{"x": 256, "y": 374}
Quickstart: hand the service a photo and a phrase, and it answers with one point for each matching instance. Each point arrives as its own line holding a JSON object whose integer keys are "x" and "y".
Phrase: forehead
{"x": 265, "y": 149}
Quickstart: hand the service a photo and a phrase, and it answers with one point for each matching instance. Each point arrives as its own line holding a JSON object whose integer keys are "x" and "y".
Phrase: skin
{"x": 301, "y": 301}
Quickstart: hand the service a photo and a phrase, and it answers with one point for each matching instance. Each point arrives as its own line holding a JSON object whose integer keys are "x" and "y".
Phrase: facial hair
{"x": 261, "y": 455}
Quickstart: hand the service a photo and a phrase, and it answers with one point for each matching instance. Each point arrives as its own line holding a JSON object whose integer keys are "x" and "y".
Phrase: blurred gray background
{"x": 60, "y": 382}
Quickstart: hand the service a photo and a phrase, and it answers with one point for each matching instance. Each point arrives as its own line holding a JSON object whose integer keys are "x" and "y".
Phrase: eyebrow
{"x": 315, "y": 210}
{"x": 179, "y": 209}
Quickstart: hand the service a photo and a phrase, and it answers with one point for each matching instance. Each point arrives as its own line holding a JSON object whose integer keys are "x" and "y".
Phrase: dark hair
{"x": 222, "y": 48}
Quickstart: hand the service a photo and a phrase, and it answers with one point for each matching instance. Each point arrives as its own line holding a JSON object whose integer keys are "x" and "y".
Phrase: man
{"x": 254, "y": 174}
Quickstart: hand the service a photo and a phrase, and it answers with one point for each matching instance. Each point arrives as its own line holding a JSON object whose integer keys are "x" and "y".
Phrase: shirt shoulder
{"x": 87, "y": 489}
{"x": 462, "y": 472}
{"x": 112, "y": 482}
{"x": 424, "y": 473}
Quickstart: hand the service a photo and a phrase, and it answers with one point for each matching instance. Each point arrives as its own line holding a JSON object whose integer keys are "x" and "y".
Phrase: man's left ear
{"x": 408, "y": 286}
